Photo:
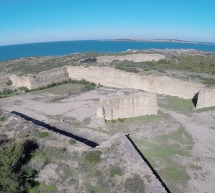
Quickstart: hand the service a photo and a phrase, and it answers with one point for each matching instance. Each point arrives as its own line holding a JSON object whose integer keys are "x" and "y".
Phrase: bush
{"x": 24, "y": 89}
{"x": 93, "y": 157}
{"x": 72, "y": 142}
{"x": 16, "y": 175}
{"x": 43, "y": 134}
{"x": 9, "y": 83}
{"x": 2, "y": 118}
{"x": 134, "y": 185}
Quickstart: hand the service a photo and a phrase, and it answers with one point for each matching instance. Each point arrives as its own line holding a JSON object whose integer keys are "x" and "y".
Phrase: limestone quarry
{"x": 206, "y": 98}
{"x": 113, "y": 78}
{"x": 131, "y": 57}
{"x": 146, "y": 125}
{"x": 127, "y": 103}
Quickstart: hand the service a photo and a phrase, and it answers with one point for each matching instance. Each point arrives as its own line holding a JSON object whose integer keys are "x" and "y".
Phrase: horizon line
{"x": 170, "y": 40}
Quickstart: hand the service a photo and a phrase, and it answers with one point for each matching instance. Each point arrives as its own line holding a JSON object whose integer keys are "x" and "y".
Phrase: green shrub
{"x": 16, "y": 175}
{"x": 43, "y": 134}
{"x": 24, "y": 89}
{"x": 2, "y": 118}
{"x": 9, "y": 83}
{"x": 72, "y": 142}
{"x": 93, "y": 157}
{"x": 134, "y": 185}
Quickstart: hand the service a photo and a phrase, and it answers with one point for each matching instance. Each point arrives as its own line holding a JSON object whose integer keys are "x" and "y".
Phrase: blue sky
{"x": 25, "y": 21}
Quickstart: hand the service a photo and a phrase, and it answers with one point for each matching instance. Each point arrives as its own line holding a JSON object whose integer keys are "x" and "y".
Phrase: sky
{"x": 27, "y": 21}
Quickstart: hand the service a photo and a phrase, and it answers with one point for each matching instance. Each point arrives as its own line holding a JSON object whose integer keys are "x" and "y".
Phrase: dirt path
{"x": 201, "y": 127}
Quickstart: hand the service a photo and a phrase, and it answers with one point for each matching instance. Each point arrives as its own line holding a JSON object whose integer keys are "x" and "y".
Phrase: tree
{"x": 16, "y": 176}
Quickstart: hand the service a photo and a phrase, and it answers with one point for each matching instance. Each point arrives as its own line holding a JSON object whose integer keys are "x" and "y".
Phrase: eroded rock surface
{"x": 127, "y": 103}
{"x": 120, "y": 79}
{"x": 206, "y": 98}
{"x": 41, "y": 79}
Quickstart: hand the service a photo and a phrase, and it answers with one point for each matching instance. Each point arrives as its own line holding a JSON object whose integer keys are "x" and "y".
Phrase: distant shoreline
{"x": 99, "y": 46}
{"x": 163, "y": 40}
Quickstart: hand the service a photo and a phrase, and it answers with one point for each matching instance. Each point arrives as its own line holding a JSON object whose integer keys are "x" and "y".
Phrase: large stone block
{"x": 127, "y": 103}
{"x": 206, "y": 98}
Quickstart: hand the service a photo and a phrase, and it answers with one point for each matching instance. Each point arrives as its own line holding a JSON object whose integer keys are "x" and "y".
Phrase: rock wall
{"x": 120, "y": 79}
{"x": 131, "y": 57}
{"x": 4, "y": 80}
{"x": 21, "y": 81}
{"x": 206, "y": 98}
{"x": 41, "y": 79}
{"x": 47, "y": 77}
{"x": 127, "y": 103}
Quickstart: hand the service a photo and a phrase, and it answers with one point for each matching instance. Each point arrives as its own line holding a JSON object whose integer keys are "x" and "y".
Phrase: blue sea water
{"x": 69, "y": 47}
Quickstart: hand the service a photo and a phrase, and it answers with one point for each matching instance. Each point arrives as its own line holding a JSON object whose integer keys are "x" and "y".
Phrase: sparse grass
{"x": 43, "y": 134}
{"x": 127, "y": 124}
{"x": 115, "y": 171}
{"x": 43, "y": 188}
{"x": 70, "y": 120}
{"x": 209, "y": 81}
{"x": 206, "y": 109}
{"x": 176, "y": 104}
{"x": 64, "y": 89}
{"x": 86, "y": 84}
{"x": 195, "y": 167}
{"x": 162, "y": 153}
{"x": 191, "y": 63}
{"x": 86, "y": 120}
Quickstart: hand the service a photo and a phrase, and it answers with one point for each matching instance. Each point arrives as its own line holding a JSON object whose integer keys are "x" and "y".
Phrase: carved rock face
{"x": 127, "y": 103}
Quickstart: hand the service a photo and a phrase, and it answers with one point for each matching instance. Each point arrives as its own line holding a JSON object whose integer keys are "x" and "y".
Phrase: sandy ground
{"x": 36, "y": 106}
{"x": 202, "y": 128}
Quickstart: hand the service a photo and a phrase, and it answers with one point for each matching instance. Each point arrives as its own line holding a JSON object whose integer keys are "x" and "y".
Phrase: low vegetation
{"x": 192, "y": 63}
{"x": 134, "y": 185}
{"x": 43, "y": 134}
{"x": 7, "y": 92}
{"x": 17, "y": 176}
{"x": 176, "y": 104}
{"x": 164, "y": 149}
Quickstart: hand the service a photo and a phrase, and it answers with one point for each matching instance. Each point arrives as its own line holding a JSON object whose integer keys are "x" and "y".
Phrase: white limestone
{"x": 206, "y": 98}
{"x": 127, "y": 103}
{"x": 141, "y": 57}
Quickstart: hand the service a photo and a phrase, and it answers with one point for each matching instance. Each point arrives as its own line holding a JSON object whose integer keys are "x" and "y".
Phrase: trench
{"x": 89, "y": 142}
{"x": 56, "y": 130}
{"x": 149, "y": 165}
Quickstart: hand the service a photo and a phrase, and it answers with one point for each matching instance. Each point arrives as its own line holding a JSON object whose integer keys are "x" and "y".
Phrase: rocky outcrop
{"x": 120, "y": 79}
{"x": 127, "y": 103}
{"x": 206, "y": 98}
{"x": 131, "y": 57}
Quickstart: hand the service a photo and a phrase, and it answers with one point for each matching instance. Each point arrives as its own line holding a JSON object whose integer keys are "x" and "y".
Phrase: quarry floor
{"x": 178, "y": 142}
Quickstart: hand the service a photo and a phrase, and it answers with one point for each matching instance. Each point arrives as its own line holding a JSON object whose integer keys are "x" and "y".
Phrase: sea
{"x": 69, "y": 47}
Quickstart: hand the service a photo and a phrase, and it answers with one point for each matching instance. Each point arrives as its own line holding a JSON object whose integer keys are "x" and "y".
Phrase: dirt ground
{"x": 178, "y": 142}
